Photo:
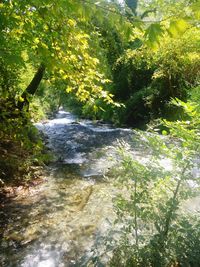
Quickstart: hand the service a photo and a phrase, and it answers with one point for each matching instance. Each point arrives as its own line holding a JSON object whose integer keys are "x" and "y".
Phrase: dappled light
{"x": 99, "y": 133}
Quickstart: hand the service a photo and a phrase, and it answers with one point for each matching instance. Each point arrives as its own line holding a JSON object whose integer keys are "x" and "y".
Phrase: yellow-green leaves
{"x": 21, "y": 99}
{"x": 164, "y": 132}
{"x": 153, "y": 34}
{"x": 36, "y": 40}
{"x": 178, "y": 27}
{"x": 195, "y": 7}
{"x": 71, "y": 22}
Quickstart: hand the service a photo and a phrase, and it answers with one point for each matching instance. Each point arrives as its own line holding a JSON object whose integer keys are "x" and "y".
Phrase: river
{"x": 66, "y": 219}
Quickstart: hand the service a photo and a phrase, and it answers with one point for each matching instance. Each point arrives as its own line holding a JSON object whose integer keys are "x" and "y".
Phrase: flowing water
{"x": 66, "y": 217}
{"x": 63, "y": 221}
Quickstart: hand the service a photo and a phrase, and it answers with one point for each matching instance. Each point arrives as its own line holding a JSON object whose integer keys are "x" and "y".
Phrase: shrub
{"x": 145, "y": 80}
{"x": 157, "y": 230}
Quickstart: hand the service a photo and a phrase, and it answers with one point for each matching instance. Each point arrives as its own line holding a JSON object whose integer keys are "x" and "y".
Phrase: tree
{"x": 54, "y": 36}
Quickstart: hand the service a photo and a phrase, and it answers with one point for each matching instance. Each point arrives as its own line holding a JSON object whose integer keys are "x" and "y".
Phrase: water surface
{"x": 64, "y": 220}
{"x": 61, "y": 221}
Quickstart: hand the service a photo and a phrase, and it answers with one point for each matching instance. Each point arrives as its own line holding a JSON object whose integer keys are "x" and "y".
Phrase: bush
{"x": 157, "y": 230}
{"x": 146, "y": 80}
{"x": 20, "y": 143}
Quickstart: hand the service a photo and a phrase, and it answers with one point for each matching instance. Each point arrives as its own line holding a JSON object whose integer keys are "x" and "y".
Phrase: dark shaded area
{"x": 32, "y": 87}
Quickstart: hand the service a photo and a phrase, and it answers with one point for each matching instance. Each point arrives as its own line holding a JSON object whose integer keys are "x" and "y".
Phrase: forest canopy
{"x": 121, "y": 61}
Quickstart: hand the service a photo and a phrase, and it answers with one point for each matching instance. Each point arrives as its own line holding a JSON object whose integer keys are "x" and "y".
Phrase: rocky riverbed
{"x": 64, "y": 220}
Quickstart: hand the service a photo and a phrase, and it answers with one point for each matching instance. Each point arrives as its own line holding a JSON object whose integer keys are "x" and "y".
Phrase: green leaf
{"x": 177, "y": 27}
{"x": 164, "y": 132}
{"x": 196, "y": 9}
{"x": 153, "y": 34}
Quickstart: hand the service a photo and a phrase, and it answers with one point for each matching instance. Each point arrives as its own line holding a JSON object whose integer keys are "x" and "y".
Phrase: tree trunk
{"x": 32, "y": 87}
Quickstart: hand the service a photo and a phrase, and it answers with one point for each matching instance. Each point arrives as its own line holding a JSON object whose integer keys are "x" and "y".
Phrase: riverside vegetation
{"x": 135, "y": 63}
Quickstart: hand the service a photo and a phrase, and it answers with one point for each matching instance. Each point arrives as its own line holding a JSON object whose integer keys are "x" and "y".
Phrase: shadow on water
{"x": 68, "y": 216}
{"x": 58, "y": 224}
{"x": 62, "y": 219}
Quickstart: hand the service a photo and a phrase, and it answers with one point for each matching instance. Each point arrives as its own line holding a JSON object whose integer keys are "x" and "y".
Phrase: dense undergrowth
{"x": 21, "y": 145}
{"x": 21, "y": 149}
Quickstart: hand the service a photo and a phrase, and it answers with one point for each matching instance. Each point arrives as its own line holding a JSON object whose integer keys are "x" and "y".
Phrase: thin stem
{"x": 170, "y": 212}
{"x": 135, "y": 214}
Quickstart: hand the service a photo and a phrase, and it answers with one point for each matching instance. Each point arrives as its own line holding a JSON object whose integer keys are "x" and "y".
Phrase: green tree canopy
{"x": 58, "y": 35}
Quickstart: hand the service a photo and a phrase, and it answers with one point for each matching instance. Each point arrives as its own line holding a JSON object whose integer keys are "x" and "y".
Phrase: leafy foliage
{"x": 157, "y": 230}
{"x": 146, "y": 80}
{"x": 58, "y": 36}
{"x": 121, "y": 65}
